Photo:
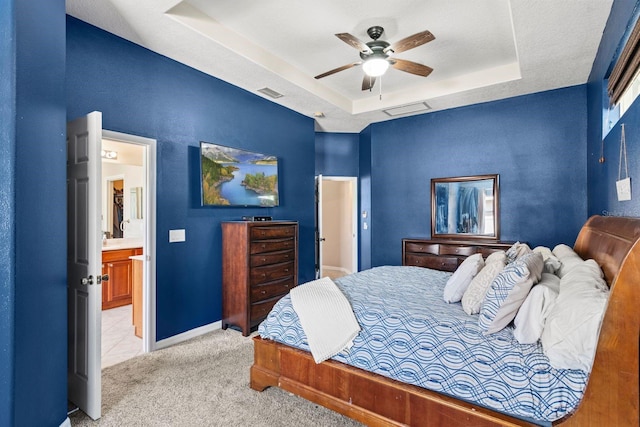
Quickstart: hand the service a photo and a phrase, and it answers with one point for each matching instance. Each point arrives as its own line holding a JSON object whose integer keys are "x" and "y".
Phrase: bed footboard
{"x": 369, "y": 398}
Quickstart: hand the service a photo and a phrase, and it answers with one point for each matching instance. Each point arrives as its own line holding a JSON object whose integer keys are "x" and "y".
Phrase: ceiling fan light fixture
{"x": 375, "y": 67}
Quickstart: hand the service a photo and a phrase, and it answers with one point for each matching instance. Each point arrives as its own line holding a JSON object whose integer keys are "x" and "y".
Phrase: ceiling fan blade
{"x": 411, "y": 67}
{"x": 368, "y": 82}
{"x": 355, "y": 42}
{"x": 412, "y": 41}
{"x": 336, "y": 70}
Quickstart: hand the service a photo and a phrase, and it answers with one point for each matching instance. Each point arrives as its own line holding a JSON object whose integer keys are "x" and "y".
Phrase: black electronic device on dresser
{"x": 259, "y": 266}
{"x": 445, "y": 255}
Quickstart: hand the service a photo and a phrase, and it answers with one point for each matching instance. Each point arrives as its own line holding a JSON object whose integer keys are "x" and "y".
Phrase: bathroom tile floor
{"x": 119, "y": 342}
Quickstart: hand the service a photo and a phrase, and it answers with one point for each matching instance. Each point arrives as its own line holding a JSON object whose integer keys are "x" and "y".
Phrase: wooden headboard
{"x": 607, "y": 240}
{"x": 612, "y": 396}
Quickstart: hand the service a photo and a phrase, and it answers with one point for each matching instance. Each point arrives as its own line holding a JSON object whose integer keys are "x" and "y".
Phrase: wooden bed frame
{"x": 611, "y": 397}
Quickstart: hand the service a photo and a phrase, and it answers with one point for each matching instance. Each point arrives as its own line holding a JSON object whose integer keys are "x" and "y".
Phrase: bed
{"x": 609, "y": 397}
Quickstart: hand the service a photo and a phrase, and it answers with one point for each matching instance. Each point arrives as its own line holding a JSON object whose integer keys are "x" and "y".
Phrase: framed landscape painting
{"x": 235, "y": 177}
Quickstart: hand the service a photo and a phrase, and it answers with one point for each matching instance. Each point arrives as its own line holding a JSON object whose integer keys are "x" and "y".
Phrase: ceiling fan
{"x": 376, "y": 55}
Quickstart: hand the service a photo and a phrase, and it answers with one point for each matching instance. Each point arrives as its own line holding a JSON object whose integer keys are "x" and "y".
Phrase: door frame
{"x": 355, "y": 217}
{"x": 149, "y": 250}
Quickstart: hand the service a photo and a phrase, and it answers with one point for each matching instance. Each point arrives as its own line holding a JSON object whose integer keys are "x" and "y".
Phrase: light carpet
{"x": 201, "y": 382}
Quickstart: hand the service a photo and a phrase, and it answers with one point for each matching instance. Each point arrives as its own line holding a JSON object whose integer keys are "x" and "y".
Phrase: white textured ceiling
{"x": 483, "y": 49}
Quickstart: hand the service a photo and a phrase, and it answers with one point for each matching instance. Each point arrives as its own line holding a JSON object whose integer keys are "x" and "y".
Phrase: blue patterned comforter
{"x": 410, "y": 334}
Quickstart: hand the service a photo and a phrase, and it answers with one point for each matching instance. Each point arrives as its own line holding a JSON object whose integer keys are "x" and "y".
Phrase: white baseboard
{"x": 196, "y": 332}
{"x": 66, "y": 423}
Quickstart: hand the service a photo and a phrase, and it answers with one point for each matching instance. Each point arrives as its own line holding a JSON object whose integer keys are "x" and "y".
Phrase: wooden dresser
{"x": 259, "y": 266}
{"x": 445, "y": 255}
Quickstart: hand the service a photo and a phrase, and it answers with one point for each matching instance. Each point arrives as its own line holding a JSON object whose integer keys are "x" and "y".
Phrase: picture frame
{"x": 466, "y": 207}
{"x": 232, "y": 176}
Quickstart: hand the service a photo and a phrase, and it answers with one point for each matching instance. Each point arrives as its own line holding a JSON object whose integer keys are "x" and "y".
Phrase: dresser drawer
{"x": 458, "y": 250}
{"x": 272, "y": 289}
{"x": 272, "y": 232}
{"x": 269, "y": 273}
{"x": 261, "y": 246}
{"x": 424, "y": 248}
{"x": 432, "y": 261}
{"x": 272, "y": 258}
{"x": 261, "y": 309}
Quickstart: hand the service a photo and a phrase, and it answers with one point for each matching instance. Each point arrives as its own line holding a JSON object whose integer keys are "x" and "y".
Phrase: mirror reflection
{"x": 465, "y": 207}
{"x": 136, "y": 203}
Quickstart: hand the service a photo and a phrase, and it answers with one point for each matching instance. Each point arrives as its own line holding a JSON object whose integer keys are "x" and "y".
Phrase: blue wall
{"x": 33, "y": 333}
{"x": 337, "y": 154}
{"x": 142, "y": 93}
{"x": 602, "y": 176}
{"x": 537, "y": 143}
{"x": 7, "y": 208}
{"x": 365, "y": 198}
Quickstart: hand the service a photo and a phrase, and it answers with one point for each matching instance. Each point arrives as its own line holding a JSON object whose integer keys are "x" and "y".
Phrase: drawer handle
{"x": 264, "y": 246}
{"x": 264, "y": 259}
{"x": 286, "y": 270}
{"x": 263, "y": 292}
{"x": 264, "y": 275}
{"x": 263, "y": 233}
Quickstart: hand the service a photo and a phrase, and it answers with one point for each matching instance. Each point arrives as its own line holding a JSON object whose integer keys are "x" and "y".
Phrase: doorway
{"x": 336, "y": 226}
{"x": 128, "y": 218}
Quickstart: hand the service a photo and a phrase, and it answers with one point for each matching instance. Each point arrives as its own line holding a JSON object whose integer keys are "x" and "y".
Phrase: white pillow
{"x": 460, "y": 279}
{"x": 529, "y": 322}
{"x": 474, "y": 295}
{"x": 551, "y": 262}
{"x": 570, "y": 335}
{"x": 508, "y": 291}
{"x": 568, "y": 259}
{"x": 497, "y": 256}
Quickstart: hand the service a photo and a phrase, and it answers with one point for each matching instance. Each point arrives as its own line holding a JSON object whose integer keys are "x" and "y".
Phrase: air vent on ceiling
{"x": 407, "y": 109}
{"x": 270, "y": 92}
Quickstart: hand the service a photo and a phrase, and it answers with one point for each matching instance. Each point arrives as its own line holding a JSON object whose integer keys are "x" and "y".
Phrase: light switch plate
{"x": 176, "y": 236}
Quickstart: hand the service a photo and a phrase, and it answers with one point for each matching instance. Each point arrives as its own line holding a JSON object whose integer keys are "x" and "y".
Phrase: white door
{"x": 84, "y": 262}
{"x": 319, "y": 238}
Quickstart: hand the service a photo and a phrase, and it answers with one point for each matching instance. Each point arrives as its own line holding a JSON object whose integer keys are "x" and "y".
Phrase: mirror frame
{"x": 495, "y": 182}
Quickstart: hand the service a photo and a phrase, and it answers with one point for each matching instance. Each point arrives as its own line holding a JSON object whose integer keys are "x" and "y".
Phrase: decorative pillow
{"x": 460, "y": 279}
{"x": 529, "y": 322}
{"x": 551, "y": 262}
{"x": 497, "y": 256}
{"x": 568, "y": 259}
{"x": 508, "y": 291}
{"x": 516, "y": 251}
{"x": 570, "y": 334}
{"x": 474, "y": 295}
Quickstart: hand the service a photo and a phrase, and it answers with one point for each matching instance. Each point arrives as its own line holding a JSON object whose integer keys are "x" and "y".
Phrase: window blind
{"x": 626, "y": 66}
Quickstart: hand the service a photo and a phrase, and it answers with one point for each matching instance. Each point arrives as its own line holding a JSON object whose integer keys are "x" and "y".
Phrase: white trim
{"x": 66, "y": 423}
{"x": 193, "y": 333}
{"x": 149, "y": 291}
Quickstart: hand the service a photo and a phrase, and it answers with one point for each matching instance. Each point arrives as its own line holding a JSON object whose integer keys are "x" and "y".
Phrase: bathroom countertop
{"x": 137, "y": 257}
{"x": 115, "y": 244}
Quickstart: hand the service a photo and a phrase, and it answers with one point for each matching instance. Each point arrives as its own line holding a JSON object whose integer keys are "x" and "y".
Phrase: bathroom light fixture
{"x": 375, "y": 66}
{"x": 108, "y": 154}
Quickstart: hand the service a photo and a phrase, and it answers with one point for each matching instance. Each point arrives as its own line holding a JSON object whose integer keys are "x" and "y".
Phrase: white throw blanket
{"x": 326, "y": 317}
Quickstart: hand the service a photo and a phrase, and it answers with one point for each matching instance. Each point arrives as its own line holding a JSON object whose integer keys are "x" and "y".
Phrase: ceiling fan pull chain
{"x": 380, "y": 88}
